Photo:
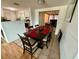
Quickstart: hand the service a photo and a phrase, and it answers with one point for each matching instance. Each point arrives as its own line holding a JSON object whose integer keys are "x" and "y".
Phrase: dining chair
{"x": 26, "y": 25}
{"x": 28, "y": 20}
{"x": 29, "y": 45}
{"x": 47, "y": 39}
{"x": 30, "y": 28}
{"x": 36, "y": 25}
{"x": 59, "y": 36}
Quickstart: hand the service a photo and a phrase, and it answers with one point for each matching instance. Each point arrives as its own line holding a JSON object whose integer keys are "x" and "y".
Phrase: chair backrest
{"x": 49, "y": 36}
{"x": 36, "y": 25}
{"x": 30, "y": 27}
{"x": 26, "y": 25}
{"x": 25, "y": 40}
{"x": 27, "y": 20}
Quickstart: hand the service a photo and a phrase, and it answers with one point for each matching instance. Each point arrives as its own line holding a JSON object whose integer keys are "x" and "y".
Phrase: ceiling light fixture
{"x": 41, "y": 1}
{"x": 10, "y": 8}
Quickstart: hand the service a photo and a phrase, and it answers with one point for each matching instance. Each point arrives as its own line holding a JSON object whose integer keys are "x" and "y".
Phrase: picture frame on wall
{"x": 70, "y": 10}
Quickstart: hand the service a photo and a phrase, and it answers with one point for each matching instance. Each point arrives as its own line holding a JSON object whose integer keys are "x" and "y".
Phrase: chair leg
{"x": 24, "y": 50}
{"x": 31, "y": 56}
{"x": 46, "y": 45}
{"x": 31, "y": 53}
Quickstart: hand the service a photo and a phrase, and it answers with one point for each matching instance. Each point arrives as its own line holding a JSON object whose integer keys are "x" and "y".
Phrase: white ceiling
{"x": 32, "y": 3}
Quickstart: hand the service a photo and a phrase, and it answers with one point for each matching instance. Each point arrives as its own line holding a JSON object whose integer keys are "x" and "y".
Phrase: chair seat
{"x": 32, "y": 46}
{"x": 44, "y": 39}
{"x": 29, "y": 44}
{"x": 32, "y": 41}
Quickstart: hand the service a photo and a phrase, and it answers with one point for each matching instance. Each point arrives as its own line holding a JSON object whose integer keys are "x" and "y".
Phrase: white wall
{"x": 62, "y": 14}
{"x": 69, "y": 41}
{"x": 33, "y": 15}
{"x": 13, "y": 28}
{"x": 76, "y": 56}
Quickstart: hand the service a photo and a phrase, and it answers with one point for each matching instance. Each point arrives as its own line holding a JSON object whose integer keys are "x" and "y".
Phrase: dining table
{"x": 39, "y": 33}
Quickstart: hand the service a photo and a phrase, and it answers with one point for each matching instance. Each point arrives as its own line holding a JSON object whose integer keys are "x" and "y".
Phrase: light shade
{"x": 10, "y": 8}
{"x": 41, "y": 1}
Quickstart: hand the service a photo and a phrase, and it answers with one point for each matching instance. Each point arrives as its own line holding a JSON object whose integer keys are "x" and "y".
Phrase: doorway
{"x": 48, "y": 17}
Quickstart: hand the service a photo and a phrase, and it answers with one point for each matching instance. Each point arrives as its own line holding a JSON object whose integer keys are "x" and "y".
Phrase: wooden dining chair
{"x": 26, "y": 25}
{"x": 47, "y": 39}
{"x": 29, "y": 45}
{"x": 36, "y": 25}
{"x": 59, "y": 36}
{"x": 28, "y": 20}
{"x": 30, "y": 28}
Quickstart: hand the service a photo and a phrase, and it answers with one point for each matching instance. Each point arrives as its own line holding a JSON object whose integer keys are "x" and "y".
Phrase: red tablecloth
{"x": 45, "y": 31}
{"x": 34, "y": 33}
